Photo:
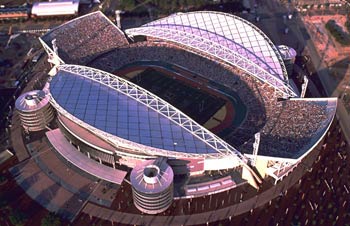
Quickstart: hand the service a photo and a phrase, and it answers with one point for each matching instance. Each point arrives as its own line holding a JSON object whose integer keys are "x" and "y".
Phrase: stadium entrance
{"x": 215, "y": 107}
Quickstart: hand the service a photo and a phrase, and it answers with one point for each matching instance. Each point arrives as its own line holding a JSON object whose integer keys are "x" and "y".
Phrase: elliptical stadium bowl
{"x": 132, "y": 131}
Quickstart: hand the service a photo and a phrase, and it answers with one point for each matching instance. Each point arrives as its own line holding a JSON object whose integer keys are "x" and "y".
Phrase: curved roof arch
{"x": 63, "y": 90}
{"x": 227, "y": 37}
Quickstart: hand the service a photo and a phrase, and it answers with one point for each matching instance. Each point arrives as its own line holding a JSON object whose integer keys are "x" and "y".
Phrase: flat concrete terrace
{"x": 17, "y": 140}
{"x": 59, "y": 172}
{"x": 69, "y": 152}
{"x": 45, "y": 191}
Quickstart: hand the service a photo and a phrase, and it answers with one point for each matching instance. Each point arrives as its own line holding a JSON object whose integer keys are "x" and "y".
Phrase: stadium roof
{"x": 226, "y": 36}
{"x": 130, "y": 116}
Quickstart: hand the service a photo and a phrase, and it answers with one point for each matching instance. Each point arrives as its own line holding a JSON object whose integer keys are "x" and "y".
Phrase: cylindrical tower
{"x": 152, "y": 186}
{"x": 288, "y": 55}
{"x": 34, "y": 109}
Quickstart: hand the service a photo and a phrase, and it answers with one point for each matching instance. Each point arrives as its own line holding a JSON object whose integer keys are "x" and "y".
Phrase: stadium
{"x": 182, "y": 111}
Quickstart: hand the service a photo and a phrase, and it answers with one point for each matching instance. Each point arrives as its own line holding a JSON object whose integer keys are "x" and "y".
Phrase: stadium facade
{"x": 147, "y": 141}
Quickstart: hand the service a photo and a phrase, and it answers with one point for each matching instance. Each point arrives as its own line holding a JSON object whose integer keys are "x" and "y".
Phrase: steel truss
{"x": 140, "y": 151}
{"x": 280, "y": 169}
{"x": 215, "y": 49}
{"x": 50, "y": 52}
{"x": 153, "y": 102}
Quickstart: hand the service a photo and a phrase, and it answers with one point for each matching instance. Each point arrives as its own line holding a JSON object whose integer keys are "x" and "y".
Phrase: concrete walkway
{"x": 45, "y": 191}
{"x": 331, "y": 87}
{"x": 301, "y": 39}
{"x": 204, "y": 217}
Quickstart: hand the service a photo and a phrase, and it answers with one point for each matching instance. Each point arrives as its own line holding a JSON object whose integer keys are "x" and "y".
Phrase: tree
{"x": 51, "y": 219}
{"x": 347, "y": 25}
{"x": 127, "y": 4}
{"x": 2, "y": 178}
{"x": 337, "y": 32}
{"x": 17, "y": 218}
{"x": 3, "y": 203}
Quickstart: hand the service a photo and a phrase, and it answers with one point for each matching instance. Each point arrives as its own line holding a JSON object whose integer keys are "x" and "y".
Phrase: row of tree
{"x": 19, "y": 218}
{"x": 337, "y": 32}
{"x": 142, "y": 7}
{"x": 347, "y": 25}
{"x": 163, "y": 5}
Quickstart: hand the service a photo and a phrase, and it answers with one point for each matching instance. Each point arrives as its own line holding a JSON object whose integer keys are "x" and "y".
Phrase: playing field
{"x": 212, "y": 105}
{"x": 194, "y": 102}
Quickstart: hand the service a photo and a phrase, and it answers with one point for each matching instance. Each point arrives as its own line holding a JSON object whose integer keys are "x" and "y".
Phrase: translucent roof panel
{"x": 229, "y": 37}
{"x": 118, "y": 114}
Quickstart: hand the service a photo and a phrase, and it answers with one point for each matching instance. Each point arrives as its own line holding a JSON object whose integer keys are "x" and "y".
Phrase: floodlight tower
{"x": 304, "y": 86}
{"x": 54, "y": 59}
{"x": 256, "y": 148}
{"x": 54, "y": 46}
{"x": 117, "y": 18}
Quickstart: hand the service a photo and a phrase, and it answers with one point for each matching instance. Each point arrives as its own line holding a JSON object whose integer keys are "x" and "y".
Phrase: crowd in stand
{"x": 81, "y": 40}
{"x": 292, "y": 128}
{"x": 286, "y": 126}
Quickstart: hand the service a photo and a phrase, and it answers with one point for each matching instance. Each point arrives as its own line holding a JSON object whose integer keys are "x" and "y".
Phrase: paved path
{"x": 298, "y": 38}
{"x": 331, "y": 86}
{"x": 45, "y": 191}
{"x": 210, "y": 216}
{"x": 17, "y": 139}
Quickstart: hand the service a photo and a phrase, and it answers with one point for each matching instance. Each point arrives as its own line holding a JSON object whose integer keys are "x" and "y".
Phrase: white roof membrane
{"x": 226, "y": 36}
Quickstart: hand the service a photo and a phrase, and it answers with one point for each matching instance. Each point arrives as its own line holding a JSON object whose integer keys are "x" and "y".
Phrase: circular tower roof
{"x": 152, "y": 177}
{"x": 287, "y": 52}
{"x": 32, "y": 101}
